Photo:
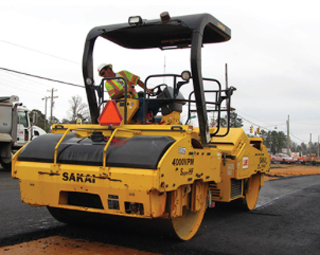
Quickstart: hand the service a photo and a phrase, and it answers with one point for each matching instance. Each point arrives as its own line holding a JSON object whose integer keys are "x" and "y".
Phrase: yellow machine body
{"x": 48, "y": 184}
{"x": 132, "y": 107}
{"x": 226, "y": 166}
{"x": 242, "y": 158}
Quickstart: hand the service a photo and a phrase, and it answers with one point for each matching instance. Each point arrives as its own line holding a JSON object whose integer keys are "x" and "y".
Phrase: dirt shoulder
{"x": 281, "y": 170}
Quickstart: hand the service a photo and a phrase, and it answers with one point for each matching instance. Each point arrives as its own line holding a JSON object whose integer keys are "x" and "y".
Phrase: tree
{"x": 77, "y": 111}
{"x": 40, "y": 120}
{"x": 214, "y": 122}
{"x": 65, "y": 121}
{"x": 313, "y": 149}
{"x": 274, "y": 140}
{"x": 55, "y": 120}
{"x": 234, "y": 121}
{"x": 293, "y": 147}
{"x": 303, "y": 148}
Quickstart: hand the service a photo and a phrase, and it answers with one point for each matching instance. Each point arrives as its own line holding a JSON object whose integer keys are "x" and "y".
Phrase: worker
{"x": 115, "y": 88}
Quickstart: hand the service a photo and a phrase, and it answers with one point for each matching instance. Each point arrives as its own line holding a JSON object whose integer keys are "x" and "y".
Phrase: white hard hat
{"x": 100, "y": 67}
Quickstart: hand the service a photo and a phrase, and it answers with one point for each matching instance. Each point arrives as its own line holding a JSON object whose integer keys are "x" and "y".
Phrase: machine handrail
{"x": 136, "y": 132}
{"x": 58, "y": 144}
{"x": 104, "y": 162}
{"x": 219, "y": 100}
{"x": 100, "y": 90}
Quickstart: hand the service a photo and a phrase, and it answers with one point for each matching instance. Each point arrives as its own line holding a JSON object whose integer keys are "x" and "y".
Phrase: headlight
{"x": 89, "y": 81}
{"x": 185, "y": 75}
{"x": 165, "y": 16}
{"x": 135, "y": 20}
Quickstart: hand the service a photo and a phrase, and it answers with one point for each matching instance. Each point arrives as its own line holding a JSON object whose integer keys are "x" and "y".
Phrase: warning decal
{"x": 245, "y": 162}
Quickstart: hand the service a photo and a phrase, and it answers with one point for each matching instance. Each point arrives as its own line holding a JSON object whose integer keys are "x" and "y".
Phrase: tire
{"x": 6, "y": 166}
{"x": 251, "y": 195}
{"x": 73, "y": 217}
{"x": 64, "y": 215}
{"x": 187, "y": 225}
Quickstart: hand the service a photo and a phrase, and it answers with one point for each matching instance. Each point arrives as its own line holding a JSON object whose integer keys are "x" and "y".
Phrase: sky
{"x": 273, "y": 56}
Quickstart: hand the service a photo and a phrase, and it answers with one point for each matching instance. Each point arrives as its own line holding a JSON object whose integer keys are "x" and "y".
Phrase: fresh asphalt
{"x": 285, "y": 221}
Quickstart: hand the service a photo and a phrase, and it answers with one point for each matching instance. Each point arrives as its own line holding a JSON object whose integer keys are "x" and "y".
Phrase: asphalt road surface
{"x": 285, "y": 221}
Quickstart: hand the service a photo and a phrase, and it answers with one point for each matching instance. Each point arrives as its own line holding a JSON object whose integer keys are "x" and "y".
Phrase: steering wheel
{"x": 157, "y": 89}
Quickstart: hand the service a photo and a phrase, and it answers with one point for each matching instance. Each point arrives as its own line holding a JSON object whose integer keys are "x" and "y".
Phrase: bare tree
{"x": 78, "y": 110}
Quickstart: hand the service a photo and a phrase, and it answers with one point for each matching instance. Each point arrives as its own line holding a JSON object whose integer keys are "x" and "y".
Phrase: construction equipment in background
{"x": 161, "y": 170}
{"x": 16, "y": 128}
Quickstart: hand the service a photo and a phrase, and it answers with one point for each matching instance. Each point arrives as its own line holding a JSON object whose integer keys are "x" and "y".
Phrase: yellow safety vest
{"x": 114, "y": 86}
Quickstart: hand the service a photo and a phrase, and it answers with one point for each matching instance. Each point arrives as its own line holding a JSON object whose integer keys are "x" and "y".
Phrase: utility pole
{"x": 288, "y": 136}
{"x": 318, "y": 145}
{"x": 45, "y": 112}
{"x": 310, "y": 144}
{"x": 52, "y": 97}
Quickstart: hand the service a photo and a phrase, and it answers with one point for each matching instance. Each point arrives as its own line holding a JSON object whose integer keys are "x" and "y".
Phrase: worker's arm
{"x": 141, "y": 84}
{"x": 119, "y": 94}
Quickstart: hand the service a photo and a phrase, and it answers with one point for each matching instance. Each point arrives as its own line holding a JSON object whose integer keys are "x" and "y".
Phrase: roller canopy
{"x": 178, "y": 32}
{"x": 160, "y": 34}
{"x": 136, "y": 152}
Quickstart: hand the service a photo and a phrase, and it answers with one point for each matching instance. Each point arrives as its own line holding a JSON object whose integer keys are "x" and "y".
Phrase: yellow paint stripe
{"x": 57, "y": 245}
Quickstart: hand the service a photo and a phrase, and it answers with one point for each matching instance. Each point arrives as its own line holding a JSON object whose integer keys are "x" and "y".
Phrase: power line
{"x": 269, "y": 125}
{"x": 251, "y": 122}
{"x": 298, "y": 138}
{"x": 16, "y": 79}
{"x": 47, "y": 54}
{"x": 271, "y": 130}
{"x": 41, "y": 77}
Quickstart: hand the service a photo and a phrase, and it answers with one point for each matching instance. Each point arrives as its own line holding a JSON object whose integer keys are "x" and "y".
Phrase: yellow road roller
{"x": 161, "y": 168}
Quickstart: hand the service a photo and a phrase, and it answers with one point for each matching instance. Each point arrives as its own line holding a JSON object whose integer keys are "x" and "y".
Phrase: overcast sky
{"x": 273, "y": 55}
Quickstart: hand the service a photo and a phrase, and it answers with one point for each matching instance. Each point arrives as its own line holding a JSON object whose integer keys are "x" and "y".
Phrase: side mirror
{"x": 34, "y": 118}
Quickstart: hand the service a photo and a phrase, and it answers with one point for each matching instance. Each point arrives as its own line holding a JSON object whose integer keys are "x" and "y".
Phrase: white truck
{"x": 16, "y": 129}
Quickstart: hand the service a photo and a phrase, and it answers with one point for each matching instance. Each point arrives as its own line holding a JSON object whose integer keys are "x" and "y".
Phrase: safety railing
{"x": 135, "y": 132}
{"x": 100, "y": 91}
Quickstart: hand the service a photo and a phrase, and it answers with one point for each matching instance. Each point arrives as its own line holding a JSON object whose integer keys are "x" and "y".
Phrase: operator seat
{"x": 170, "y": 106}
